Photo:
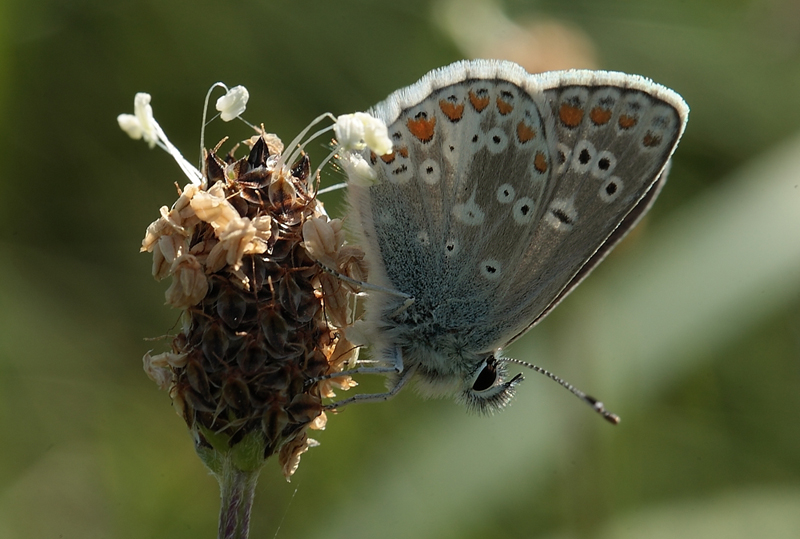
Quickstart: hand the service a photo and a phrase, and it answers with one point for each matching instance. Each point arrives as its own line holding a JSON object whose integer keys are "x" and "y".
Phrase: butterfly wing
{"x": 615, "y": 134}
{"x": 427, "y": 218}
{"x": 502, "y": 191}
{"x": 630, "y": 221}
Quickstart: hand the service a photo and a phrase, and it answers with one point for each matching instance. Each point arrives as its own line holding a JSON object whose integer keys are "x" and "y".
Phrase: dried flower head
{"x": 266, "y": 284}
{"x": 262, "y": 319}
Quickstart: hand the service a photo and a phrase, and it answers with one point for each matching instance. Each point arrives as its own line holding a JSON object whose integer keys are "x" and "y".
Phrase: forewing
{"x": 615, "y": 134}
{"x": 464, "y": 149}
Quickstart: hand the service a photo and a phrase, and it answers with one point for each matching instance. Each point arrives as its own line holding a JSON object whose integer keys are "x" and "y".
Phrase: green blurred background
{"x": 690, "y": 330}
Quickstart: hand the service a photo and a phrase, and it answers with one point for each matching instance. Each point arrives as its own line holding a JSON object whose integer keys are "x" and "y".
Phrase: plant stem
{"x": 237, "y": 490}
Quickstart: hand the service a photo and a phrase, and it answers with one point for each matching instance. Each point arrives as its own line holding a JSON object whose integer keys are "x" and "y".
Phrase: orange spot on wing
{"x": 388, "y": 158}
{"x": 478, "y": 103}
{"x": 570, "y": 115}
{"x": 540, "y": 162}
{"x": 525, "y": 133}
{"x": 403, "y": 151}
{"x": 651, "y": 140}
{"x": 451, "y": 110}
{"x": 626, "y": 122}
{"x": 422, "y": 128}
{"x": 600, "y": 116}
{"x": 504, "y": 107}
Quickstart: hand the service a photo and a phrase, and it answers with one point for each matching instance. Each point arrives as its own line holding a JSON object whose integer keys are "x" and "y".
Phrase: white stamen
{"x": 130, "y": 124}
{"x": 358, "y": 171}
{"x": 290, "y": 149}
{"x": 143, "y": 125}
{"x": 233, "y": 103}
{"x": 360, "y": 130}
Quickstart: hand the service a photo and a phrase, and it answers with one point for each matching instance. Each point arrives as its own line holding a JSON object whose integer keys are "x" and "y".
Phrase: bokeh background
{"x": 690, "y": 330}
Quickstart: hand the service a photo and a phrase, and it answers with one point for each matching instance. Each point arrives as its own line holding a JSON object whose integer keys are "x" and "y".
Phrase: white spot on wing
{"x": 611, "y": 189}
{"x": 400, "y": 171}
{"x": 561, "y": 215}
{"x": 660, "y": 129}
{"x": 430, "y": 172}
{"x": 582, "y": 156}
{"x": 505, "y": 193}
{"x": 469, "y": 212}
{"x": 603, "y": 165}
{"x": 451, "y": 248}
{"x": 450, "y": 152}
{"x": 496, "y": 140}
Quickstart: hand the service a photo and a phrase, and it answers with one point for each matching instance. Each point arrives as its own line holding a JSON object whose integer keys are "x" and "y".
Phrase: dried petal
{"x": 350, "y": 262}
{"x": 274, "y": 144}
{"x": 319, "y": 238}
{"x": 289, "y": 457}
{"x": 157, "y": 369}
{"x": 214, "y": 210}
{"x": 189, "y": 284}
{"x": 336, "y": 300}
{"x": 319, "y": 422}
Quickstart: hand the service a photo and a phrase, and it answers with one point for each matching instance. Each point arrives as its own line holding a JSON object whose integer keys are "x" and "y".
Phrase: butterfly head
{"x": 446, "y": 364}
{"x": 487, "y": 390}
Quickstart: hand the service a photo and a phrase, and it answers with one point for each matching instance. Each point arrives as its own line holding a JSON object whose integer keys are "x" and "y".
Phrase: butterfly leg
{"x": 395, "y": 367}
{"x": 364, "y": 285}
{"x": 374, "y": 397}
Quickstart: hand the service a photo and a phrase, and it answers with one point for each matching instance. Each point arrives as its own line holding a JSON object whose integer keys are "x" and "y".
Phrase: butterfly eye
{"x": 486, "y": 377}
{"x": 487, "y": 391}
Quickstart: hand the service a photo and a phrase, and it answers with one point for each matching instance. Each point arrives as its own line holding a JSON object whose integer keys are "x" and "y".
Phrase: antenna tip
{"x": 600, "y": 409}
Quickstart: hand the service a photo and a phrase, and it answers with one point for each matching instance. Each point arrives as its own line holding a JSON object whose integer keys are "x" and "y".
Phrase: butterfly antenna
{"x": 596, "y": 405}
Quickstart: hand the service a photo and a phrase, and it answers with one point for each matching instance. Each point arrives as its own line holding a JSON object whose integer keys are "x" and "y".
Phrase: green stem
{"x": 237, "y": 490}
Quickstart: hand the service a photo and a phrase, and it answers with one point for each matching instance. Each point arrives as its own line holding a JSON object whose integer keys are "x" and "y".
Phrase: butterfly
{"x": 504, "y": 190}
